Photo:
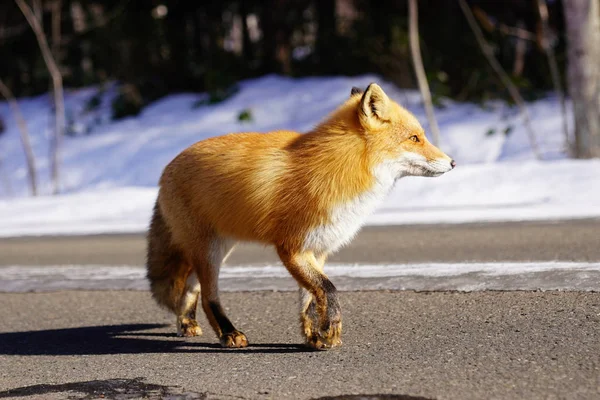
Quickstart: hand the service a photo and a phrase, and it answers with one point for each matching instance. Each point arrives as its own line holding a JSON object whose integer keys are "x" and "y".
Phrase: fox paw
{"x": 325, "y": 340}
{"x": 318, "y": 343}
{"x": 188, "y": 328}
{"x": 235, "y": 339}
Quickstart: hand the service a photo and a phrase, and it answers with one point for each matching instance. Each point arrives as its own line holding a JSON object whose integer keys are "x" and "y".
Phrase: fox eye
{"x": 415, "y": 139}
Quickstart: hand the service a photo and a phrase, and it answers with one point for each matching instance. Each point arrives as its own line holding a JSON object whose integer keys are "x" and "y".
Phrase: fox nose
{"x": 453, "y": 164}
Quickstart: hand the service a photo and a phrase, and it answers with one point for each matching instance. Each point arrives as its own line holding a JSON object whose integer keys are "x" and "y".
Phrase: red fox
{"x": 305, "y": 194}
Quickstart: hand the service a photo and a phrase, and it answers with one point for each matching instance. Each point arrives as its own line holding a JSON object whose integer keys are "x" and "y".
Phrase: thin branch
{"x": 543, "y": 13}
{"x": 487, "y": 51}
{"x": 517, "y": 32}
{"x": 22, "y": 125}
{"x": 38, "y": 12}
{"x": 489, "y": 25}
{"x": 57, "y": 84}
{"x": 420, "y": 70}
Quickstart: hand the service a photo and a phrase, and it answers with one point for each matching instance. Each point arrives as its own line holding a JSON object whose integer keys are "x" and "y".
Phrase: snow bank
{"x": 428, "y": 276}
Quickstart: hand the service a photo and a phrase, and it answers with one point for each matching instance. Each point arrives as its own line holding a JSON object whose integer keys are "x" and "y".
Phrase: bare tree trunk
{"x": 326, "y": 35}
{"x": 29, "y": 156}
{"x": 55, "y": 48}
{"x": 284, "y": 52}
{"x": 520, "y": 49}
{"x": 512, "y": 89}
{"x": 38, "y": 11}
{"x": 415, "y": 50}
{"x": 269, "y": 62}
{"x": 543, "y": 13}
{"x": 56, "y": 20}
{"x": 277, "y": 35}
{"x": 57, "y": 84}
{"x": 247, "y": 49}
{"x": 582, "y": 19}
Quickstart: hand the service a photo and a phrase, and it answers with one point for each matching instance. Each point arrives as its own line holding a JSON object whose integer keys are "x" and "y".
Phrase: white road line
{"x": 426, "y": 276}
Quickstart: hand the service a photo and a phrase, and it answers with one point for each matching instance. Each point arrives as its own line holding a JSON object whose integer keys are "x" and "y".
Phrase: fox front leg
{"x": 321, "y": 315}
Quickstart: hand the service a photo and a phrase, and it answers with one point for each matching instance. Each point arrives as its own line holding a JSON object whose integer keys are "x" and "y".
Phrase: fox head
{"x": 396, "y": 136}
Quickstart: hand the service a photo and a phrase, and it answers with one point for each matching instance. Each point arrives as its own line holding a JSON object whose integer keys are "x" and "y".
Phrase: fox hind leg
{"x": 187, "y": 325}
{"x": 208, "y": 265}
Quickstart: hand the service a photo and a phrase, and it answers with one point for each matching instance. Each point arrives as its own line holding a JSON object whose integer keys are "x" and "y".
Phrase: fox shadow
{"x": 119, "y": 339}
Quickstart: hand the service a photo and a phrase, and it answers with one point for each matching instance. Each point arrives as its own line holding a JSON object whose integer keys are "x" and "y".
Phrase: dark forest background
{"x": 159, "y": 47}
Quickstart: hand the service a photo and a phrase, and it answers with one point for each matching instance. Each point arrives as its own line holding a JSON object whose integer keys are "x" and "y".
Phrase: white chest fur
{"x": 346, "y": 219}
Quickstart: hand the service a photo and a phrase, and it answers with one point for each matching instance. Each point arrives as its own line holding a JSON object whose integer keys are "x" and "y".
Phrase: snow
{"x": 427, "y": 276}
{"x": 515, "y": 191}
{"x": 110, "y": 168}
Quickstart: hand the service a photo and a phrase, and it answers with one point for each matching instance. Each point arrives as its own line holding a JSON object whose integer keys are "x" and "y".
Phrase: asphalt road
{"x": 399, "y": 344}
{"x": 539, "y": 241}
{"x": 439, "y": 345}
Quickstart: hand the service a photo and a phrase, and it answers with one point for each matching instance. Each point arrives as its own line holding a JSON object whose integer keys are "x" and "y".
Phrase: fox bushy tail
{"x": 167, "y": 269}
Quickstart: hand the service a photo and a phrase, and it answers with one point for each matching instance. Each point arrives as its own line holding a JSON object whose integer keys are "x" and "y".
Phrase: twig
{"x": 543, "y": 13}
{"x": 420, "y": 70}
{"x": 517, "y": 32}
{"x": 57, "y": 84}
{"x": 29, "y": 156}
{"x": 514, "y": 92}
{"x": 489, "y": 25}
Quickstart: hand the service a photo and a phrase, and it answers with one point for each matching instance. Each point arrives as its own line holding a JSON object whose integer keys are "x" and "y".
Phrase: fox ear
{"x": 355, "y": 91}
{"x": 374, "y": 107}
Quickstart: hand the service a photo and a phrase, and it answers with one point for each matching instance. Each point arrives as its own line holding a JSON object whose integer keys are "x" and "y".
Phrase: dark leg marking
{"x": 224, "y": 322}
